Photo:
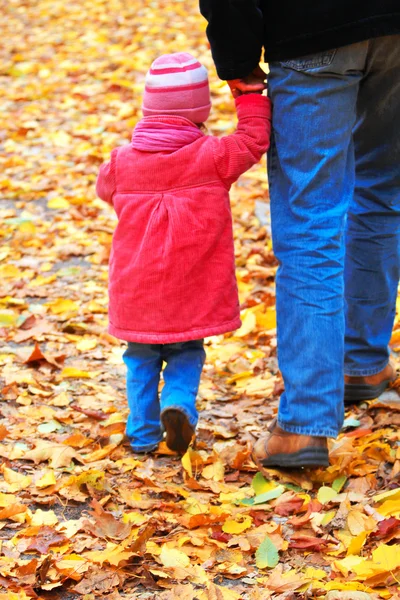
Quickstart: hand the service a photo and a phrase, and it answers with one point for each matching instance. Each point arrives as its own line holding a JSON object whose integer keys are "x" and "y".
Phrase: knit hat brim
{"x": 196, "y": 115}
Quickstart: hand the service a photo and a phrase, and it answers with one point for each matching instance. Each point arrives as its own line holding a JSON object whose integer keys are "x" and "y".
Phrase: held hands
{"x": 252, "y": 84}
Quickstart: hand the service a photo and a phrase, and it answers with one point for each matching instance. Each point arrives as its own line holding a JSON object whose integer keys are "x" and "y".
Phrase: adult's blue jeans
{"x": 334, "y": 176}
{"x": 184, "y": 363}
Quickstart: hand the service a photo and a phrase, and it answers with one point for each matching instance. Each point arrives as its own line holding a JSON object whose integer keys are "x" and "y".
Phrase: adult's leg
{"x": 178, "y": 397}
{"x": 143, "y": 363}
{"x": 311, "y": 175}
{"x": 373, "y": 226}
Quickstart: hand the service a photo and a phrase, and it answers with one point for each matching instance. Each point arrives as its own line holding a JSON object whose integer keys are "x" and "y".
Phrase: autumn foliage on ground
{"x": 81, "y": 516}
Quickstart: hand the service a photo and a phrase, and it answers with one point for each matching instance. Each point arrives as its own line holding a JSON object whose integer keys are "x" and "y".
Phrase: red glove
{"x": 252, "y": 84}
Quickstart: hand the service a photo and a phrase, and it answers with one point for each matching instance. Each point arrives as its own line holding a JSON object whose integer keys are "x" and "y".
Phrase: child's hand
{"x": 252, "y": 84}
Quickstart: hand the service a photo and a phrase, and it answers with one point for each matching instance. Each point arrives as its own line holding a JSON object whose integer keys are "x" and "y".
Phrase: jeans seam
{"x": 147, "y": 447}
{"x": 331, "y": 433}
{"x": 366, "y": 372}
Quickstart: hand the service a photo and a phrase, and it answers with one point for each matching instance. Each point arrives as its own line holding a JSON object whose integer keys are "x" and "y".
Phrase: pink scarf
{"x": 164, "y": 134}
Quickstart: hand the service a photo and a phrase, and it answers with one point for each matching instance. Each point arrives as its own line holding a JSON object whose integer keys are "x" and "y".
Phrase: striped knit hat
{"x": 177, "y": 84}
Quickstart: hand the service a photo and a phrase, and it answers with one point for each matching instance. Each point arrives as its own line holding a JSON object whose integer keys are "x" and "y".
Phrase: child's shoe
{"x": 179, "y": 431}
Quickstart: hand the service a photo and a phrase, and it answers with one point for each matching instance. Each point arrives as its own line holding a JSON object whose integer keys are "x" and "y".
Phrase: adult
{"x": 334, "y": 177}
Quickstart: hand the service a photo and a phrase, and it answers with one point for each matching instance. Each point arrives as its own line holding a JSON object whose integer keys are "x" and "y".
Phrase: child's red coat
{"x": 172, "y": 271}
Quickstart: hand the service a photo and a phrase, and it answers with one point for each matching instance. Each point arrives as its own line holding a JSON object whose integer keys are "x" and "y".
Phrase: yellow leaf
{"x": 249, "y": 323}
{"x": 159, "y": 573}
{"x": 8, "y": 271}
{"x": 27, "y": 227}
{"x": 72, "y": 372}
{"x": 40, "y": 280}
{"x": 135, "y": 518}
{"x": 8, "y": 318}
{"x": 326, "y": 494}
{"x": 316, "y": 574}
{"x": 388, "y": 557}
{"x": 266, "y": 320}
{"x": 48, "y": 479}
{"x": 215, "y": 471}
{"x": 328, "y": 517}
{"x": 173, "y": 558}
{"x": 392, "y": 494}
{"x": 194, "y": 507}
{"x": 356, "y": 522}
{"x": 357, "y": 543}
{"x": 58, "y": 203}
{"x": 346, "y": 565}
{"x": 91, "y": 477}
{"x": 7, "y": 500}
{"x": 99, "y": 454}
{"x": 390, "y": 508}
{"x": 191, "y": 459}
{"x": 238, "y": 525}
{"x": 187, "y": 460}
{"x": 15, "y": 481}
{"x": 62, "y": 305}
{"x": 238, "y": 376}
{"x": 86, "y": 344}
{"x": 113, "y": 555}
{"x": 44, "y": 517}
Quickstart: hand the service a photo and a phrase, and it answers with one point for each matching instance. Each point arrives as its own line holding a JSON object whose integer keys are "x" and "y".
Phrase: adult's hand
{"x": 252, "y": 84}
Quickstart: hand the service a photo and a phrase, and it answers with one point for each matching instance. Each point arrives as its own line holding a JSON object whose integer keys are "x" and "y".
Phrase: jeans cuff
{"x": 146, "y": 448}
{"x": 366, "y": 372}
{"x": 192, "y": 420}
{"x": 300, "y": 430}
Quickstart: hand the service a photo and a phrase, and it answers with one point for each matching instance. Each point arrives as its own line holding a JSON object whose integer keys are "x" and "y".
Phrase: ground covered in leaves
{"x": 80, "y": 515}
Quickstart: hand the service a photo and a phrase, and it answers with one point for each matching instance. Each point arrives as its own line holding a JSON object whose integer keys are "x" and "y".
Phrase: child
{"x": 172, "y": 271}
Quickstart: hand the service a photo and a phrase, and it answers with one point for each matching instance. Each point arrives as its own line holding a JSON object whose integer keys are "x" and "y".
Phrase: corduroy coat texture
{"x": 172, "y": 271}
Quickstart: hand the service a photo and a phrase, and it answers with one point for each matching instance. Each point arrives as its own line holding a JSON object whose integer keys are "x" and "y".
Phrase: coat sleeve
{"x": 236, "y": 153}
{"x": 105, "y": 184}
{"x": 236, "y": 35}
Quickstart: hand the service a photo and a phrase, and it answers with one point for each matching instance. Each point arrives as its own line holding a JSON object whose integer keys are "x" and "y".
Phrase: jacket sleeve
{"x": 236, "y": 35}
{"x": 236, "y": 153}
{"x": 105, "y": 184}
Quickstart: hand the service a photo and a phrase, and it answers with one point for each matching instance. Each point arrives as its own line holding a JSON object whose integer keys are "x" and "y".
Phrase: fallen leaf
{"x": 267, "y": 554}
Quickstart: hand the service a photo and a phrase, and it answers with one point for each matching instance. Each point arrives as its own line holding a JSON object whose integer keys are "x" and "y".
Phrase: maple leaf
{"x": 58, "y": 454}
{"x": 43, "y": 538}
{"x": 105, "y": 524}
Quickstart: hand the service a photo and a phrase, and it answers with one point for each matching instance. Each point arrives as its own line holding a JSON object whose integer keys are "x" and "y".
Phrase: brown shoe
{"x": 290, "y": 450}
{"x": 358, "y": 389}
{"x": 179, "y": 432}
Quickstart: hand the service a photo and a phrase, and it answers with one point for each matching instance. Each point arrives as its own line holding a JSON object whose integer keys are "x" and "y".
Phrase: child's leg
{"x": 178, "y": 398}
{"x": 143, "y": 362}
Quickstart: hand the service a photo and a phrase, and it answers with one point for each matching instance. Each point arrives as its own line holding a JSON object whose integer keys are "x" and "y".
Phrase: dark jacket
{"x": 239, "y": 29}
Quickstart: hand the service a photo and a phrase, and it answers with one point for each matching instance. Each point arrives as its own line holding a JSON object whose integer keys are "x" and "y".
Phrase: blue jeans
{"x": 334, "y": 176}
{"x": 184, "y": 363}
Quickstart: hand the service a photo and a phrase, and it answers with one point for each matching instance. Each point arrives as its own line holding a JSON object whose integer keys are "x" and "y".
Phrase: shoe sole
{"x": 355, "y": 393}
{"x": 308, "y": 457}
{"x": 179, "y": 432}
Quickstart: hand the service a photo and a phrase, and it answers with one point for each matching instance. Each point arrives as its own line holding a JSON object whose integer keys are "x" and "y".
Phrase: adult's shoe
{"x": 281, "y": 449}
{"x": 358, "y": 389}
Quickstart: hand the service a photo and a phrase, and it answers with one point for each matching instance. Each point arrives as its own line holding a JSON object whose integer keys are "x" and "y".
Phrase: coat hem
{"x": 169, "y": 338}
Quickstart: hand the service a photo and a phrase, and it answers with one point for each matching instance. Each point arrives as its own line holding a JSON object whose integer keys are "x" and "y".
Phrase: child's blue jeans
{"x": 184, "y": 363}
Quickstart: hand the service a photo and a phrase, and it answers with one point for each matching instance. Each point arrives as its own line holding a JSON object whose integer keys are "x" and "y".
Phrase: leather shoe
{"x": 289, "y": 450}
{"x": 358, "y": 389}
